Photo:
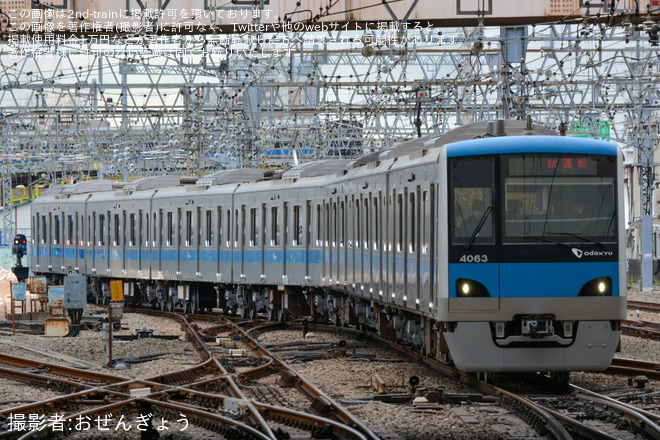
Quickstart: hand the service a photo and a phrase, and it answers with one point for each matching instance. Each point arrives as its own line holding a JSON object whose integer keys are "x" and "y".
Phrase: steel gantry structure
{"x": 188, "y": 95}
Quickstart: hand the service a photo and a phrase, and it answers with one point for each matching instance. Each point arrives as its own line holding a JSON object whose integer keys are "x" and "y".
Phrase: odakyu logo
{"x": 578, "y": 253}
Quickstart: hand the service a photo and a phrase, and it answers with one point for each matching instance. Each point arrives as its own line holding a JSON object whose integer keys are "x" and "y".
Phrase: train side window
{"x": 44, "y": 230}
{"x": 358, "y": 226}
{"x": 297, "y": 225}
{"x": 412, "y": 229}
{"x": 326, "y": 228}
{"x": 367, "y": 224}
{"x": 179, "y": 227}
{"x": 425, "y": 226}
{"x": 237, "y": 226}
{"x": 116, "y": 229}
{"x": 307, "y": 223}
{"x": 140, "y": 226}
{"x": 189, "y": 228}
{"x": 219, "y": 226}
{"x": 228, "y": 226}
{"x": 170, "y": 229}
{"x": 131, "y": 229}
{"x": 154, "y": 225}
{"x": 69, "y": 231}
{"x": 319, "y": 232}
{"x": 146, "y": 229}
{"x": 102, "y": 229}
{"x": 264, "y": 222}
{"x": 35, "y": 223}
{"x": 376, "y": 220}
{"x": 159, "y": 237}
{"x": 471, "y": 206}
{"x": 208, "y": 240}
{"x": 399, "y": 222}
{"x": 254, "y": 227}
{"x": 58, "y": 224}
{"x": 77, "y": 231}
{"x": 274, "y": 227}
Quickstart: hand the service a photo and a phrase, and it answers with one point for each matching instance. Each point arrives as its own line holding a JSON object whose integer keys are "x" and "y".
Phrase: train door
{"x": 58, "y": 242}
{"x": 262, "y": 245}
{"x": 473, "y": 253}
{"x": 399, "y": 253}
{"x": 187, "y": 243}
{"x": 103, "y": 251}
{"x": 141, "y": 240}
{"x": 92, "y": 242}
{"x": 426, "y": 260}
{"x": 377, "y": 253}
{"x": 208, "y": 266}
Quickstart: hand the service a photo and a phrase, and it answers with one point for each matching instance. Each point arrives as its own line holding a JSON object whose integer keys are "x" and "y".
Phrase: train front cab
{"x": 533, "y": 269}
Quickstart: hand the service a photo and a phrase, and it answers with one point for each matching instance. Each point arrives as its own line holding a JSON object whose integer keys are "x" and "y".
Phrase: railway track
{"x": 228, "y": 391}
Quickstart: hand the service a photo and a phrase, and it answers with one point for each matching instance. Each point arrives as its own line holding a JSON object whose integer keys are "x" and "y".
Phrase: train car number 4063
{"x": 474, "y": 259}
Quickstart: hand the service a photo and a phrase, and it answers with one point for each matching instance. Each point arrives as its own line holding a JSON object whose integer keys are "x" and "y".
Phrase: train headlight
{"x": 466, "y": 288}
{"x": 597, "y": 287}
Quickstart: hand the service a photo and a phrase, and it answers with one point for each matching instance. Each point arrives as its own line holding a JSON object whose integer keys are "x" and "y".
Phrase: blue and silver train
{"x": 495, "y": 246}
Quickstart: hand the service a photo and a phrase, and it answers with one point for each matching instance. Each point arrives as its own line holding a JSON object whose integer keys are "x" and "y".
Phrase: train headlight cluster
{"x": 466, "y": 288}
{"x": 597, "y": 287}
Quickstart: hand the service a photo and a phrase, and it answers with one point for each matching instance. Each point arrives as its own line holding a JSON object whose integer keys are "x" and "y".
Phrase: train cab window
{"x": 563, "y": 197}
{"x": 471, "y": 206}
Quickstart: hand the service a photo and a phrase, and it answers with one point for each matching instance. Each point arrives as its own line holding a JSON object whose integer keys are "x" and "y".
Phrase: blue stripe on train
{"x": 542, "y": 280}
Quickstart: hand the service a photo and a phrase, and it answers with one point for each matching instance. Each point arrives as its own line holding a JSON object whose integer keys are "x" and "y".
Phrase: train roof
{"x": 239, "y": 175}
{"x": 541, "y": 144}
{"x": 500, "y": 128}
{"x": 317, "y": 168}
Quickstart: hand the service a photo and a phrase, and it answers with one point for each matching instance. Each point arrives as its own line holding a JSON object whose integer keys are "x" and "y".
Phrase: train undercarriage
{"x": 424, "y": 334}
{"x": 280, "y": 303}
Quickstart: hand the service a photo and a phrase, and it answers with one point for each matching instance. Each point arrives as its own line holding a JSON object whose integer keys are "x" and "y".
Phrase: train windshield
{"x": 559, "y": 198}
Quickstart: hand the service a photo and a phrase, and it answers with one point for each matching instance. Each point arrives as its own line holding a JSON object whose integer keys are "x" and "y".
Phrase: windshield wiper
{"x": 480, "y": 225}
{"x": 547, "y": 240}
{"x": 588, "y": 240}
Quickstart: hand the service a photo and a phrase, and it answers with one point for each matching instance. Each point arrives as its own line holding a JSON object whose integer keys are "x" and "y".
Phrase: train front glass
{"x": 543, "y": 198}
